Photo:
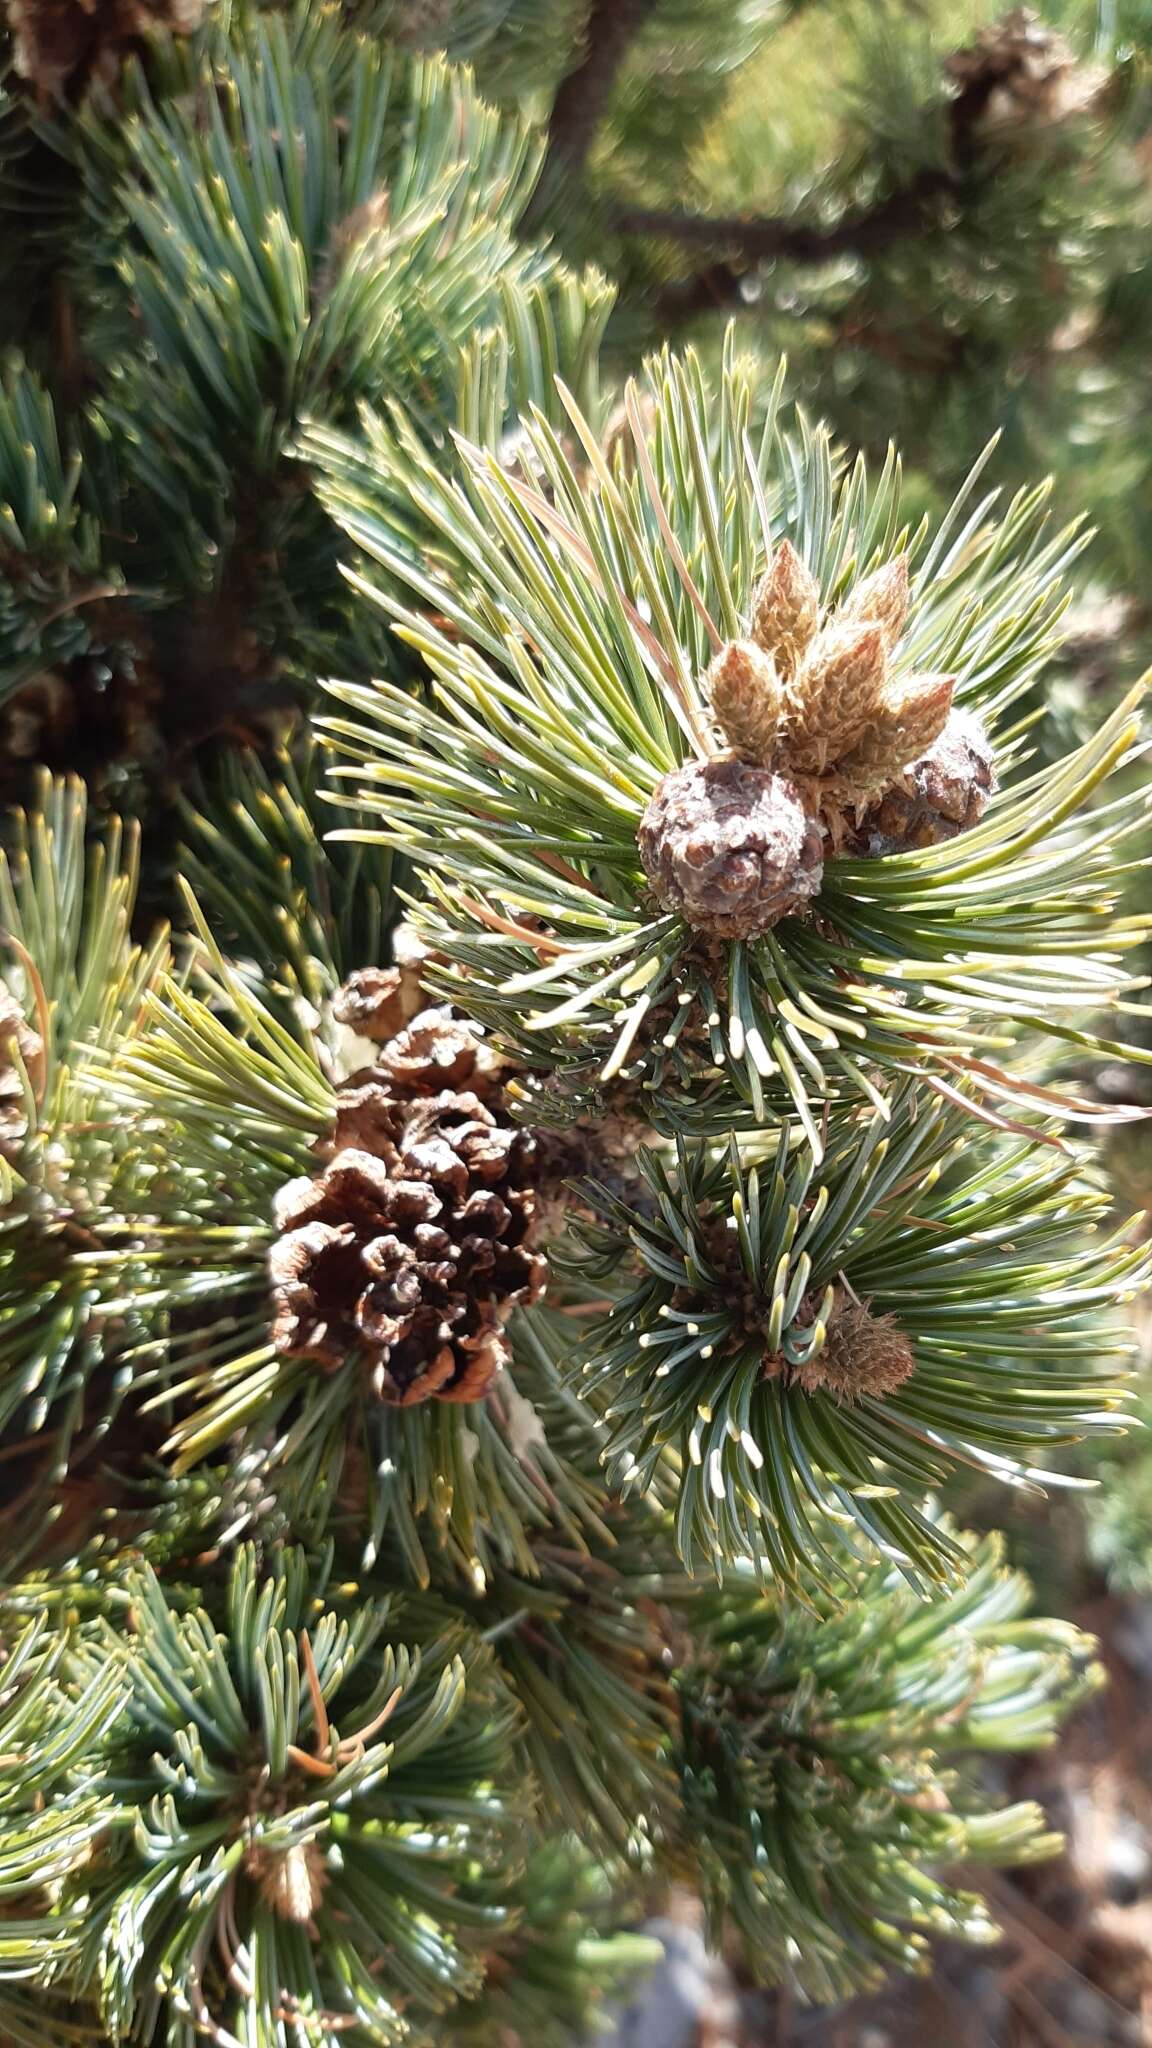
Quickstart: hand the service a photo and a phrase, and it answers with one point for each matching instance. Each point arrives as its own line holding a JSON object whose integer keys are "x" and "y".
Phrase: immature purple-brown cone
{"x": 945, "y": 792}
{"x": 730, "y": 848}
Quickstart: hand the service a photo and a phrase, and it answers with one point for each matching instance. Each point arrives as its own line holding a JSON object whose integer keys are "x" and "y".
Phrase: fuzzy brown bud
{"x": 730, "y": 848}
{"x": 837, "y": 694}
{"x": 290, "y": 1880}
{"x": 881, "y": 598}
{"x": 865, "y": 1357}
{"x": 910, "y": 716}
{"x": 746, "y": 697}
{"x": 786, "y": 609}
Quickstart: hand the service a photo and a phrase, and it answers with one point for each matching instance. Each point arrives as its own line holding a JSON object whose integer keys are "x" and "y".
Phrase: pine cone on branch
{"x": 416, "y": 1238}
{"x": 730, "y": 847}
{"x": 57, "y": 41}
{"x": 945, "y": 792}
{"x": 872, "y": 752}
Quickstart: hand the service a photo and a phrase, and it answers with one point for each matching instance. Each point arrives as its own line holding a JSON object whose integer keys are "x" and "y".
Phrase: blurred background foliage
{"x": 938, "y": 212}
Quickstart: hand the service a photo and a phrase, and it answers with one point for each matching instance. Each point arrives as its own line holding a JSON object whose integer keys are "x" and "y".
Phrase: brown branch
{"x": 610, "y": 29}
{"x": 739, "y": 242}
{"x": 758, "y": 237}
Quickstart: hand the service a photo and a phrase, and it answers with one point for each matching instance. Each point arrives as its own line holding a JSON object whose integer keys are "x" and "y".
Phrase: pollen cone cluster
{"x": 831, "y": 744}
{"x": 848, "y": 717}
{"x": 409, "y": 1247}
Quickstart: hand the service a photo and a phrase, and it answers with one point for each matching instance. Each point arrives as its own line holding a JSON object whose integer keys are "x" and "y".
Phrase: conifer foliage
{"x": 492, "y": 1302}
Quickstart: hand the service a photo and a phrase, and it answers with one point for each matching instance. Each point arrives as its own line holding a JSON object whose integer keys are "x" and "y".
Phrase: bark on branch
{"x": 609, "y": 32}
{"x": 741, "y": 241}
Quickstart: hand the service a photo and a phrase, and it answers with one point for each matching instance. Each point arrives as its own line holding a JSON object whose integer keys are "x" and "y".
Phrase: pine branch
{"x": 277, "y": 1792}
{"x": 575, "y": 620}
{"x": 609, "y": 32}
{"x": 939, "y": 196}
{"x": 761, "y": 238}
{"x": 916, "y": 208}
{"x": 795, "y": 1325}
{"x": 827, "y": 1756}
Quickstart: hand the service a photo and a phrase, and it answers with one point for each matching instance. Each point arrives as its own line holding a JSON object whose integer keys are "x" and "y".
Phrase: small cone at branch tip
{"x": 290, "y": 1880}
{"x": 747, "y": 699}
{"x": 945, "y": 792}
{"x": 838, "y": 693}
{"x": 881, "y": 598}
{"x": 865, "y": 1357}
{"x": 730, "y": 848}
{"x": 786, "y": 609}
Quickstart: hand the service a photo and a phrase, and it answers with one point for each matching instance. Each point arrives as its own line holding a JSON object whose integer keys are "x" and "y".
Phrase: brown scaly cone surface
{"x": 943, "y": 793}
{"x": 730, "y": 847}
{"x": 415, "y": 1239}
{"x": 57, "y": 41}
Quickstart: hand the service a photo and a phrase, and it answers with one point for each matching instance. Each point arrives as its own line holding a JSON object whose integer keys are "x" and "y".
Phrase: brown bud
{"x": 864, "y": 1357}
{"x": 881, "y": 598}
{"x": 744, "y": 690}
{"x": 912, "y": 714}
{"x": 786, "y": 609}
{"x": 837, "y": 695}
{"x": 290, "y": 1880}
